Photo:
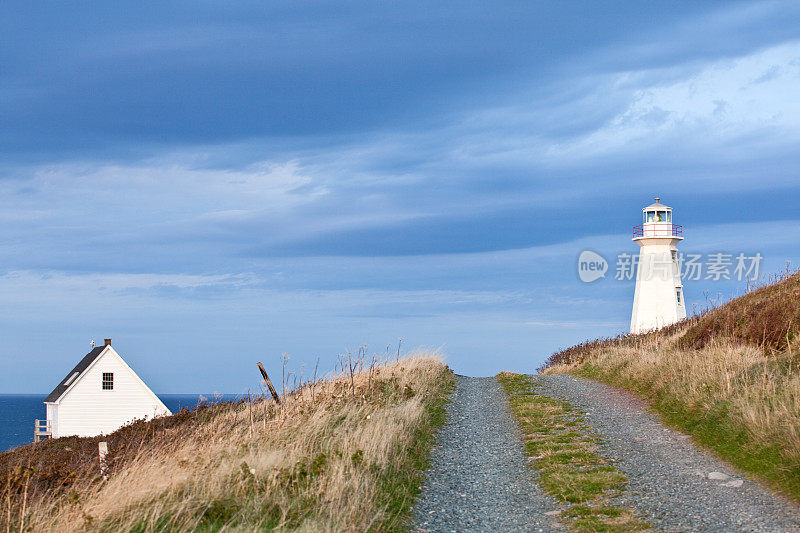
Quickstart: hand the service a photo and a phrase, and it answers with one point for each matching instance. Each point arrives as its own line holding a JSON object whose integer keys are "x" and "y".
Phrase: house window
{"x": 108, "y": 381}
{"x": 71, "y": 378}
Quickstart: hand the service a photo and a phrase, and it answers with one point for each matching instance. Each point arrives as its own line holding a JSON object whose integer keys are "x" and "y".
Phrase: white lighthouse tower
{"x": 658, "y": 300}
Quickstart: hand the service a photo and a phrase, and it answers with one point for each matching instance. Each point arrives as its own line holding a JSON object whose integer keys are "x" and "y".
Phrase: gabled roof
{"x": 84, "y": 363}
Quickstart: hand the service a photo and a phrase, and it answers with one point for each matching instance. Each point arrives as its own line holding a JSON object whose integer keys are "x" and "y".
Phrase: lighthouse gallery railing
{"x": 669, "y": 230}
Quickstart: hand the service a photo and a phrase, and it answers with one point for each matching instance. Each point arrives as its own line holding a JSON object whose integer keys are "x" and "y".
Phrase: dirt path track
{"x": 479, "y": 479}
{"x": 670, "y": 479}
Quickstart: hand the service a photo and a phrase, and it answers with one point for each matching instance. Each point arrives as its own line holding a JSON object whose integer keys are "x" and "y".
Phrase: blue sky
{"x": 213, "y": 185}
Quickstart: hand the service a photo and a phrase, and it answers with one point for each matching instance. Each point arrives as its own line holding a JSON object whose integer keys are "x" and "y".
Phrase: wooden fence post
{"x": 102, "y": 451}
{"x": 269, "y": 383}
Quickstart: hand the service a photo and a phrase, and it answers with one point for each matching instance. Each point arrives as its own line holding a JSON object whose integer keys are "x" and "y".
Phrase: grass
{"x": 339, "y": 454}
{"x": 768, "y": 317}
{"x": 566, "y": 453}
{"x": 730, "y": 378}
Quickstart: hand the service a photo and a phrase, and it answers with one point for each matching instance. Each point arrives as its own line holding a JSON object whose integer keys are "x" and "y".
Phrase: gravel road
{"x": 479, "y": 480}
{"x": 680, "y": 487}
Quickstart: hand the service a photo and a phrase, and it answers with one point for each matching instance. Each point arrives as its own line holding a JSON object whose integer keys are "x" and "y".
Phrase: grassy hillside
{"x": 339, "y": 454}
{"x": 730, "y": 378}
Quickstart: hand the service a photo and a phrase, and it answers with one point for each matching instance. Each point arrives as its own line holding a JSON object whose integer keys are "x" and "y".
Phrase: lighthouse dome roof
{"x": 657, "y": 206}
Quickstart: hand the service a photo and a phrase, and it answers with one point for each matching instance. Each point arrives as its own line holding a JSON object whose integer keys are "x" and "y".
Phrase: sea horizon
{"x": 19, "y": 410}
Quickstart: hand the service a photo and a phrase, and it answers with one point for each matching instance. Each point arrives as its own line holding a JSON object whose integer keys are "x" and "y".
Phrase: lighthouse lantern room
{"x": 658, "y": 297}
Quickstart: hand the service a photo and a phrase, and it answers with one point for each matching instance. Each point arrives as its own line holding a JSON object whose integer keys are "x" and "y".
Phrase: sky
{"x": 215, "y": 184}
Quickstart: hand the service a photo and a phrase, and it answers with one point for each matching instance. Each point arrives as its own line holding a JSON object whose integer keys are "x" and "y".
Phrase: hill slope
{"x": 339, "y": 454}
{"x": 730, "y": 378}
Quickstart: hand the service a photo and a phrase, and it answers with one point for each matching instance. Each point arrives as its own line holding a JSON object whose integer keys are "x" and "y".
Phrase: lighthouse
{"x": 658, "y": 299}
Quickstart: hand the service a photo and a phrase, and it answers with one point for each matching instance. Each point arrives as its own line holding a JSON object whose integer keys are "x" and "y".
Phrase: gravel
{"x": 479, "y": 479}
{"x": 680, "y": 487}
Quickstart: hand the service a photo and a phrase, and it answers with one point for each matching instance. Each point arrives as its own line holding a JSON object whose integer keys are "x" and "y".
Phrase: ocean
{"x": 18, "y": 411}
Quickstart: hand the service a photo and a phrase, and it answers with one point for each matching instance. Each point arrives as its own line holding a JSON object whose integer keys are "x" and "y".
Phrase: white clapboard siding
{"x": 85, "y": 409}
{"x": 52, "y": 415}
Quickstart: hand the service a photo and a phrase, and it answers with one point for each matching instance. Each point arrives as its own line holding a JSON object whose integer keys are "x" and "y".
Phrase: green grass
{"x": 565, "y": 452}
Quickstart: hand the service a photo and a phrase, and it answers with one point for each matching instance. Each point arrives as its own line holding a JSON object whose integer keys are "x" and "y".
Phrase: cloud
{"x": 296, "y": 176}
{"x": 492, "y": 179}
{"x": 85, "y": 79}
{"x": 727, "y": 101}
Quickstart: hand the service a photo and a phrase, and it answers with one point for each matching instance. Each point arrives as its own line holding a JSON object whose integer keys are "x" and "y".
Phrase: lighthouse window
{"x": 108, "y": 381}
{"x": 678, "y": 293}
{"x": 661, "y": 216}
{"x": 650, "y": 216}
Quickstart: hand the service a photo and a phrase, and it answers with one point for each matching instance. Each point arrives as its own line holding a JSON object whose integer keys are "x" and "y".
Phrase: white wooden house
{"x": 101, "y": 394}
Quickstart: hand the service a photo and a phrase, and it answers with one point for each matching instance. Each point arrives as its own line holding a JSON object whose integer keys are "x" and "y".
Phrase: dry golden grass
{"x": 340, "y": 454}
{"x": 760, "y": 391}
